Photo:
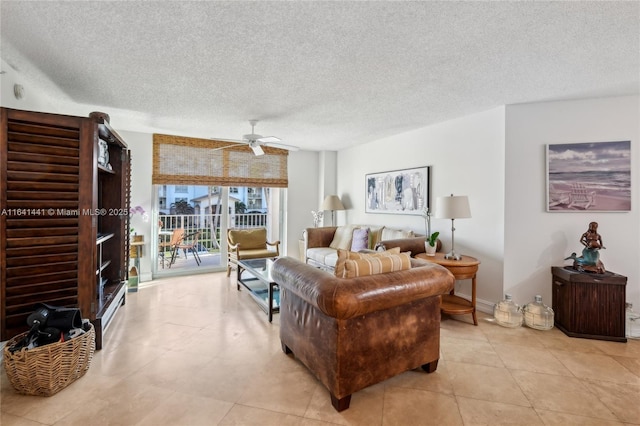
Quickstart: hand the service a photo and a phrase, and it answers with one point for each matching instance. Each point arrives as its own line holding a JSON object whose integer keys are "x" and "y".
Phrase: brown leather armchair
{"x": 355, "y": 332}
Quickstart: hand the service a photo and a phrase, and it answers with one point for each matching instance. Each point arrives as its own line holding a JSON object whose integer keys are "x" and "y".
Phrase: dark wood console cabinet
{"x": 589, "y": 305}
{"x": 63, "y": 217}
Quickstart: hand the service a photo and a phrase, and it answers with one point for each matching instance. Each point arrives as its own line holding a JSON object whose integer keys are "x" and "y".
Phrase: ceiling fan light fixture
{"x": 256, "y": 141}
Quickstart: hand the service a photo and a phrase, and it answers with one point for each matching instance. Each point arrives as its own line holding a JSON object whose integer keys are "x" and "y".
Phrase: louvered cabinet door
{"x": 42, "y": 199}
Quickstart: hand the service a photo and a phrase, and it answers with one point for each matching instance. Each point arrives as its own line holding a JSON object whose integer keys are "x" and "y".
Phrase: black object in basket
{"x": 45, "y": 370}
{"x": 48, "y": 323}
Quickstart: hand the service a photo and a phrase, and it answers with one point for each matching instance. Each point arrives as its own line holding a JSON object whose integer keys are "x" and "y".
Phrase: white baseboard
{"x": 481, "y": 304}
{"x": 485, "y": 306}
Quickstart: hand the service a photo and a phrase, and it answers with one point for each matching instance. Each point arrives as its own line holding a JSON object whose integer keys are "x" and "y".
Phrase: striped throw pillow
{"x": 344, "y": 255}
{"x": 376, "y": 265}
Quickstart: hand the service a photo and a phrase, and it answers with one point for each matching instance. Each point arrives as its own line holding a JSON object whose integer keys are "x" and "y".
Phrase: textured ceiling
{"x": 320, "y": 75}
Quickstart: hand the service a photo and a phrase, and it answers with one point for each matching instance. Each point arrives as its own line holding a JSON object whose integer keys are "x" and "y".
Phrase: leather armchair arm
{"x": 318, "y": 237}
{"x": 414, "y": 244}
{"x": 346, "y": 298}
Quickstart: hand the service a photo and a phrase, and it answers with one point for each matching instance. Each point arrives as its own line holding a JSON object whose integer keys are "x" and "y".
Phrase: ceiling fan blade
{"x": 232, "y": 143}
{"x": 223, "y": 147}
{"x": 268, "y": 139}
{"x": 282, "y": 146}
{"x": 229, "y": 140}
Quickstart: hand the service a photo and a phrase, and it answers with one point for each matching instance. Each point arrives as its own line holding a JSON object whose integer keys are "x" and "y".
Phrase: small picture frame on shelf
{"x": 103, "y": 154}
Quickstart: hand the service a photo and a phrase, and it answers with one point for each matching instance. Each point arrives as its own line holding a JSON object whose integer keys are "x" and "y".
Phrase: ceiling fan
{"x": 256, "y": 141}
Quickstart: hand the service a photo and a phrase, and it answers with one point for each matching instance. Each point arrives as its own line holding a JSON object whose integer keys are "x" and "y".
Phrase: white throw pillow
{"x": 342, "y": 237}
{"x": 394, "y": 234}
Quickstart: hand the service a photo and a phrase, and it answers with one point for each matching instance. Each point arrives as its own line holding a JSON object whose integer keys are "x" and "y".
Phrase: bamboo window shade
{"x": 179, "y": 160}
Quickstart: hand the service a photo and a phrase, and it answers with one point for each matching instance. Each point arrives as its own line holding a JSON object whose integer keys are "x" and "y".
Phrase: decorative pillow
{"x": 360, "y": 239}
{"x": 344, "y": 255}
{"x": 374, "y": 237}
{"x": 376, "y": 265}
{"x": 394, "y": 234}
{"x": 342, "y": 237}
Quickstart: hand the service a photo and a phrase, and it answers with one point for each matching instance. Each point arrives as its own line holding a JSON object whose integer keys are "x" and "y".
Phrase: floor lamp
{"x": 332, "y": 203}
{"x": 453, "y": 207}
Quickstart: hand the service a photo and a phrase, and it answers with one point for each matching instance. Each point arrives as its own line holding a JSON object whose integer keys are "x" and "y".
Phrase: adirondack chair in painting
{"x": 558, "y": 196}
{"x": 582, "y": 197}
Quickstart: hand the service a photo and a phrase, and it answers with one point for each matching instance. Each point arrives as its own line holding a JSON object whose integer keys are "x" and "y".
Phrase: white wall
{"x": 535, "y": 240}
{"x": 41, "y": 95}
{"x": 327, "y": 183}
{"x": 467, "y": 158}
{"x": 33, "y": 99}
{"x": 302, "y": 195}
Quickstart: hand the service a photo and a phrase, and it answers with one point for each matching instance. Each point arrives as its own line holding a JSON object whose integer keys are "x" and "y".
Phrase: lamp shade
{"x": 453, "y": 207}
{"x": 332, "y": 202}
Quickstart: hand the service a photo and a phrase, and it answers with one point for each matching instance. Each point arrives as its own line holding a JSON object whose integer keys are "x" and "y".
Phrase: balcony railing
{"x": 209, "y": 225}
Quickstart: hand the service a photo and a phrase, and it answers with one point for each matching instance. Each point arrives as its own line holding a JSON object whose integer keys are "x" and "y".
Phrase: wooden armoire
{"x": 64, "y": 217}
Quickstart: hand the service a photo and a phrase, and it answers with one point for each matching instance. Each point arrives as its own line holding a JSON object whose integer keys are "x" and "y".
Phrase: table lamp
{"x": 453, "y": 207}
{"x": 332, "y": 203}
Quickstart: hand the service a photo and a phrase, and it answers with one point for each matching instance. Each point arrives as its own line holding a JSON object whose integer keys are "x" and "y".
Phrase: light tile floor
{"x": 195, "y": 351}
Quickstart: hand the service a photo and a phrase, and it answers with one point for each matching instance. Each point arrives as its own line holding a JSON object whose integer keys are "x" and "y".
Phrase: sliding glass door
{"x": 191, "y": 224}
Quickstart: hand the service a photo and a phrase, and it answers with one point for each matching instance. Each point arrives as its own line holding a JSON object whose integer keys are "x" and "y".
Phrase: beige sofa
{"x": 320, "y": 247}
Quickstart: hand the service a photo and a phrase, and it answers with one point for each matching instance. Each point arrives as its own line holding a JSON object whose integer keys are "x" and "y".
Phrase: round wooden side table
{"x": 463, "y": 269}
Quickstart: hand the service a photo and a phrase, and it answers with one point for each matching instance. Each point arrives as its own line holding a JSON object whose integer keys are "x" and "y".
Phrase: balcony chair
{"x": 249, "y": 244}
{"x": 191, "y": 245}
{"x": 176, "y": 238}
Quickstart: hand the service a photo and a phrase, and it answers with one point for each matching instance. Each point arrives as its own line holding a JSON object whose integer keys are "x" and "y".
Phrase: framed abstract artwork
{"x": 592, "y": 176}
{"x": 398, "y": 192}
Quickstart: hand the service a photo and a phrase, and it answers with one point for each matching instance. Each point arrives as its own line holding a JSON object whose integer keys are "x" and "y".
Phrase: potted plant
{"x": 431, "y": 244}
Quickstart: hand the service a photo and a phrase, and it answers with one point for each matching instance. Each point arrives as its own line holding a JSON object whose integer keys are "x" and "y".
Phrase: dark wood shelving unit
{"x": 105, "y": 170}
{"x": 64, "y": 227}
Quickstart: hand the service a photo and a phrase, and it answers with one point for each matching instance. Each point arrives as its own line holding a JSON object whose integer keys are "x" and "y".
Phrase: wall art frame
{"x": 589, "y": 176}
{"x": 405, "y": 191}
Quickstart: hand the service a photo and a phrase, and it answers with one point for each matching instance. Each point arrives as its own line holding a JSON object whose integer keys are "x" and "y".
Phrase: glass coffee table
{"x": 257, "y": 279}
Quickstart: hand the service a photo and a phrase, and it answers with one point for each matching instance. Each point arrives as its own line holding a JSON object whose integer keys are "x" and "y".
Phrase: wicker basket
{"x": 47, "y": 369}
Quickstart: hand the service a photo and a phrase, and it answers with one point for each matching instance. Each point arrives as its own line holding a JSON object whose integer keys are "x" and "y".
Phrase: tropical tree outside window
{"x": 182, "y": 207}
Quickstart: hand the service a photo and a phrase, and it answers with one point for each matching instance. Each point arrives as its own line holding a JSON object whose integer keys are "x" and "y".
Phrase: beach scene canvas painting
{"x": 594, "y": 176}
